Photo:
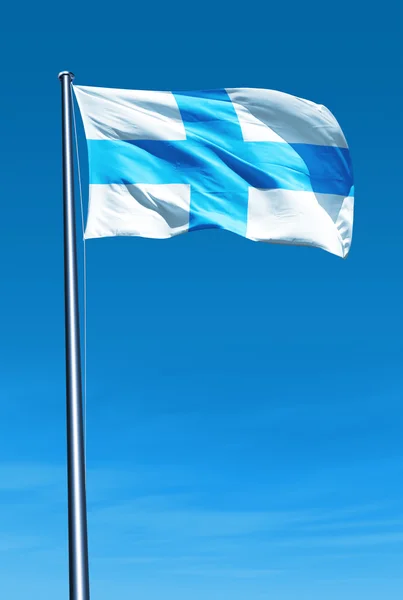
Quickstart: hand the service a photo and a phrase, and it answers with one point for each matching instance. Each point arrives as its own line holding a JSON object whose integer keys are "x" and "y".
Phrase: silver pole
{"x": 78, "y": 542}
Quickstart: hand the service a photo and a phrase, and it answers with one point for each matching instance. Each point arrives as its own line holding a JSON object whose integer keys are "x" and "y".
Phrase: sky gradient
{"x": 244, "y": 400}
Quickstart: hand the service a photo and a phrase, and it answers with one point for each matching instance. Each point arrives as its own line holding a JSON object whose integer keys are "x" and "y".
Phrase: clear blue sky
{"x": 244, "y": 400}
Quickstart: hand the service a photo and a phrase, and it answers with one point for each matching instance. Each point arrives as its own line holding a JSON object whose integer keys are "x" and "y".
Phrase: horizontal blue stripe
{"x": 208, "y": 167}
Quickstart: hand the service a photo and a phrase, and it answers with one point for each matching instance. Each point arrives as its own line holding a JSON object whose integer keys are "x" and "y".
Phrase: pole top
{"x": 68, "y": 73}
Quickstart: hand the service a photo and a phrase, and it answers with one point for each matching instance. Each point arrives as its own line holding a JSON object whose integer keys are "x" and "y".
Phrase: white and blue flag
{"x": 260, "y": 163}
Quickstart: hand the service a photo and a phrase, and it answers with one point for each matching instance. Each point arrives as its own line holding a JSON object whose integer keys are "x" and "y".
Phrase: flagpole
{"x": 77, "y": 510}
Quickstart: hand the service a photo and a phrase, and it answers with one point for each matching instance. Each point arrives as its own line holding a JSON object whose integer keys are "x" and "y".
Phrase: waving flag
{"x": 260, "y": 163}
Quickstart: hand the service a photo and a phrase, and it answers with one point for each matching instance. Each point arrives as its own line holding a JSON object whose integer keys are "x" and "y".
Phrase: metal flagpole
{"x": 78, "y": 542}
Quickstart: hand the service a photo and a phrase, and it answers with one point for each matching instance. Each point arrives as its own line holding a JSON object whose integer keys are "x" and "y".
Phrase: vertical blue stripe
{"x": 209, "y": 116}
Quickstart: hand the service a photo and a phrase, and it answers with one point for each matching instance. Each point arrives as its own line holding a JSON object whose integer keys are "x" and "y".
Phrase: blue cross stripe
{"x": 218, "y": 164}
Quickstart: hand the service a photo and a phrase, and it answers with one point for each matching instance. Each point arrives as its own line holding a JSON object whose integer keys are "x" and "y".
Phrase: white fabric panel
{"x": 344, "y": 223}
{"x": 153, "y": 211}
{"x": 268, "y": 115}
{"x": 301, "y": 218}
{"x": 113, "y": 114}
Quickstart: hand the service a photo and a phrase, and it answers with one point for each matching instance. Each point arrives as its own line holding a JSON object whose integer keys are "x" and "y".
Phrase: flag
{"x": 260, "y": 163}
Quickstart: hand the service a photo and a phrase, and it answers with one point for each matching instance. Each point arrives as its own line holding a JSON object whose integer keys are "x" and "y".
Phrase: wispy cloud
{"x": 353, "y": 524}
{"x": 152, "y": 529}
{"x": 10, "y": 542}
{"x": 371, "y": 539}
{"x": 151, "y": 513}
{"x": 233, "y": 573}
{"x": 20, "y": 477}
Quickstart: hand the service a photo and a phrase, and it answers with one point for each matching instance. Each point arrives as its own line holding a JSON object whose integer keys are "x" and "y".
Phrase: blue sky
{"x": 244, "y": 400}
